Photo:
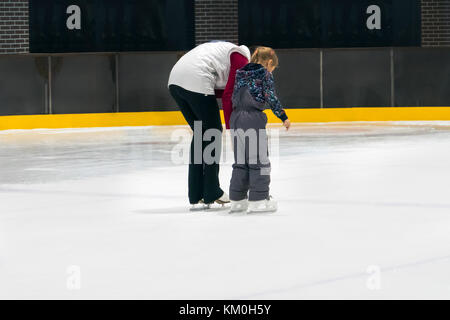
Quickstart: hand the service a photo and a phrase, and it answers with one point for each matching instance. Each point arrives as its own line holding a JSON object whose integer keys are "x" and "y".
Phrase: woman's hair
{"x": 263, "y": 54}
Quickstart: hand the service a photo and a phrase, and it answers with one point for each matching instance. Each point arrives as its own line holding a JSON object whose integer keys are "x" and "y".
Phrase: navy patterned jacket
{"x": 254, "y": 87}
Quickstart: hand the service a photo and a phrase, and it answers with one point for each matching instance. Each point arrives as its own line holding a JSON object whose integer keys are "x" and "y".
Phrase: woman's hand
{"x": 287, "y": 124}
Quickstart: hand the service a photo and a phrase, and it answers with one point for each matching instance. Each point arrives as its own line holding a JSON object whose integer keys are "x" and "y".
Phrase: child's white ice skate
{"x": 268, "y": 205}
{"x": 239, "y": 206}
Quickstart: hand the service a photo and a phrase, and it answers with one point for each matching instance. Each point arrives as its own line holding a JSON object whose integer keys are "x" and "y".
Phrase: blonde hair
{"x": 262, "y": 55}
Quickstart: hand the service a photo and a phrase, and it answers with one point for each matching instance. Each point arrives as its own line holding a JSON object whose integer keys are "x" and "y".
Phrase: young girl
{"x": 254, "y": 88}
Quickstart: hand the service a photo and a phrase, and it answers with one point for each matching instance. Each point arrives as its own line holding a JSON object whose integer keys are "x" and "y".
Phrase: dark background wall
{"x": 23, "y": 85}
{"x": 83, "y": 84}
{"x": 359, "y": 78}
{"x": 435, "y": 23}
{"x": 307, "y": 78}
{"x": 14, "y": 26}
{"x": 111, "y": 25}
{"x": 214, "y": 19}
{"x": 330, "y": 23}
{"x": 298, "y": 78}
{"x": 422, "y": 77}
{"x": 143, "y": 82}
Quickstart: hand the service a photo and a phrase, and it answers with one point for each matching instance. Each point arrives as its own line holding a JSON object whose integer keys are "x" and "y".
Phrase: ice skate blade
{"x": 262, "y": 211}
{"x": 217, "y": 209}
{"x": 222, "y": 202}
{"x": 197, "y": 209}
{"x": 238, "y": 211}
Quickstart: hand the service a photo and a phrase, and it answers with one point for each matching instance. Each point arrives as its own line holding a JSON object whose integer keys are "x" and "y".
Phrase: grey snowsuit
{"x": 254, "y": 88}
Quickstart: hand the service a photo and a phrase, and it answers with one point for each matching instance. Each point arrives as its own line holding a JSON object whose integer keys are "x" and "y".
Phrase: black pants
{"x": 203, "y": 178}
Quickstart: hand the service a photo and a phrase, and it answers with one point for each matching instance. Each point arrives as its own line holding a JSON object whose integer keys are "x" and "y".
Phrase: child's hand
{"x": 287, "y": 124}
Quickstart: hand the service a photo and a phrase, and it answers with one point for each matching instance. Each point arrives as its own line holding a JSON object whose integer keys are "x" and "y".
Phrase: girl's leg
{"x": 259, "y": 182}
{"x": 239, "y": 183}
{"x": 259, "y": 165}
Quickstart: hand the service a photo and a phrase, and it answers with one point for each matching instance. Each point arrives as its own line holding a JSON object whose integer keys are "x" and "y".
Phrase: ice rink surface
{"x": 364, "y": 212}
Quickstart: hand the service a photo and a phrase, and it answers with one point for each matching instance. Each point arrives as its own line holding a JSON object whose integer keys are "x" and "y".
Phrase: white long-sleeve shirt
{"x": 206, "y": 67}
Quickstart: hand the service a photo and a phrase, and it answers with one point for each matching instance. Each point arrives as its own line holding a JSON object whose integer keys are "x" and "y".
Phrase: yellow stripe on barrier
{"x": 366, "y": 114}
{"x": 88, "y": 120}
{"x": 163, "y": 118}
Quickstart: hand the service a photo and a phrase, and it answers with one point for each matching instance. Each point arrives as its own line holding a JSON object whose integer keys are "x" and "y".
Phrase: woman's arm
{"x": 238, "y": 61}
